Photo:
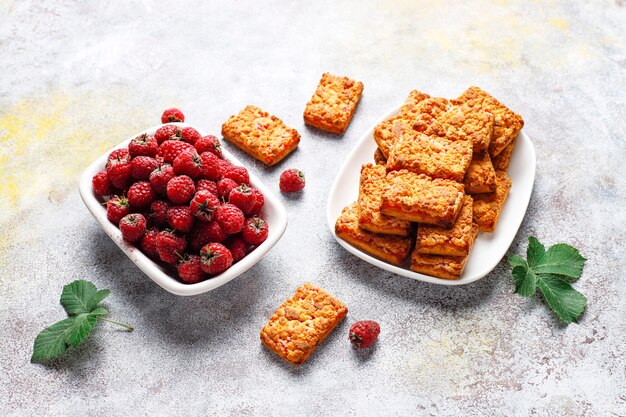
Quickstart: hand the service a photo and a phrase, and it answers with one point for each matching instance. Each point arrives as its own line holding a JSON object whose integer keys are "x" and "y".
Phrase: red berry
{"x": 102, "y": 185}
{"x": 215, "y": 258}
{"x": 180, "y": 218}
{"x": 203, "y": 205}
{"x": 363, "y": 333}
{"x": 160, "y": 177}
{"x": 143, "y": 145}
{"x": 148, "y": 243}
{"x": 180, "y": 189}
{"x": 205, "y": 233}
{"x": 224, "y": 187}
{"x": 188, "y": 163}
{"x": 190, "y": 269}
{"x": 259, "y": 202}
{"x": 142, "y": 166}
{"x": 238, "y": 174}
{"x": 120, "y": 155}
{"x": 170, "y": 149}
{"x": 133, "y": 227}
{"x": 209, "y": 143}
{"x": 141, "y": 194}
{"x": 211, "y": 169}
{"x": 237, "y": 247}
{"x": 224, "y": 165}
{"x": 172, "y": 115}
{"x": 117, "y": 207}
{"x": 291, "y": 180}
{"x": 169, "y": 246}
{"x": 118, "y": 169}
{"x": 206, "y": 185}
{"x": 243, "y": 198}
{"x": 230, "y": 217}
{"x": 255, "y": 231}
{"x": 190, "y": 135}
{"x": 158, "y": 212}
{"x": 167, "y": 132}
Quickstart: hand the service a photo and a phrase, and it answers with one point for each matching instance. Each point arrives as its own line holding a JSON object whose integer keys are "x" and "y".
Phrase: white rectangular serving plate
{"x": 489, "y": 247}
{"x": 273, "y": 213}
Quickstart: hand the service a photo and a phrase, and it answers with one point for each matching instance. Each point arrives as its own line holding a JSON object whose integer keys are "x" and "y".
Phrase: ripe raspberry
{"x": 259, "y": 202}
{"x": 118, "y": 168}
{"x": 255, "y": 231}
{"x": 160, "y": 177}
{"x": 133, "y": 227}
{"x": 215, "y": 258}
{"x": 237, "y": 248}
{"x": 170, "y": 149}
{"x": 224, "y": 187}
{"x": 291, "y": 181}
{"x": 167, "y": 132}
{"x": 224, "y": 165}
{"x": 142, "y": 166}
{"x": 141, "y": 194}
{"x": 143, "y": 145}
{"x": 168, "y": 245}
{"x": 209, "y": 143}
{"x": 190, "y": 135}
{"x": 148, "y": 243}
{"x": 189, "y": 269}
{"x": 119, "y": 155}
{"x": 211, "y": 169}
{"x": 172, "y": 115}
{"x": 102, "y": 185}
{"x": 203, "y": 205}
{"x": 230, "y": 217}
{"x": 180, "y": 189}
{"x": 180, "y": 218}
{"x": 188, "y": 163}
{"x": 363, "y": 333}
{"x": 206, "y": 185}
{"x": 158, "y": 212}
{"x": 238, "y": 174}
{"x": 243, "y": 198}
{"x": 205, "y": 233}
{"x": 117, "y": 207}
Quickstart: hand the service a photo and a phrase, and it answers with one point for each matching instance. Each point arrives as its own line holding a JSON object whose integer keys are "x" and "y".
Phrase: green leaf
{"x": 81, "y": 328}
{"x": 52, "y": 341}
{"x": 561, "y": 259}
{"x": 525, "y": 281}
{"x": 516, "y": 260}
{"x": 81, "y": 296}
{"x": 562, "y": 298}
{"x": 535, "y": 251}
{"x": 100, "y": 311}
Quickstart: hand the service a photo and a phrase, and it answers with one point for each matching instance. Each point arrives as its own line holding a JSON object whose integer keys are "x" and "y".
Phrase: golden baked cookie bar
{"x": 440, "y": 266}
{"x": 379, "y": 158}
{"x": 465, "y": 123}
{"x": 487, "y": 207}
{"x": 480, "y": 176}
{"x": 434, "y": 156}
{"x": 456, "y": 241}
{"x": 302, "y": 323}
{"x": 419, "y": 198}
{"x": 372, "y": 185}
{"x": 333, "y": 104}
{"x": 507, "y": 124}
{"x": 503, "y": 159}
{"x": 389, "y": 248}
{"x": 260, "y": 134}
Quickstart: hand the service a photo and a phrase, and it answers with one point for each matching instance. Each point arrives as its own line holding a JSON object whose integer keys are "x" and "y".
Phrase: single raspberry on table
{"x": 119, "y": 169}
{"x": 169, "y": 245}
{"x": 142, "y": 166}
{"x": 158, "y": 212}
{"x": 143, "y": 145}
{"x": 364, "y": 333}
{"x": 167, "y": 132}
{"x": 259, "y": 202}
{"x": 211, "y": 169}
{"x": 255, "y": 231}
{"x": 237, "y": 248}
{"x": 230, "y": 217}
{"x": 117, "y": 207}
{"x": 172, "y": 115}
{"x": 133, "y": 227}
{"x": 170, "y": 149}
{"x": 209, "y": 143}
{"x": 180, "y": 218}
{"x": 160, "y": 177}
{"x": 148, "y": 243}
{"x": 102, "y": 185}
{"x": 190, "y": 135}
{"x": 203, "y": 205}
{"x": 141, "y": 194}
{"x": 189, "y": 269}
{"x": 188, "y": 163}
{"x": 180, "y": 189}
{"x": 224, "y": 187}
{"x": 206, "y": 185}
{"x": 291, "y": 180}
{"x": 215, "y": 258}
{"x": 243, "y": 197}
{"x": 238, "y": 174}
{"x": 205, "y": 233}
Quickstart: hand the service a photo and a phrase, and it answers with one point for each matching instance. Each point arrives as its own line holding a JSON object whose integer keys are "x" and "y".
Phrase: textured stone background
{"x": 78, "y": 77}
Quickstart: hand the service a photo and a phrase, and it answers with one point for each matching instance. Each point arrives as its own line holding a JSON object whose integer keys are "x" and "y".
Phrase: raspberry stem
{"x": 128, "y": 327}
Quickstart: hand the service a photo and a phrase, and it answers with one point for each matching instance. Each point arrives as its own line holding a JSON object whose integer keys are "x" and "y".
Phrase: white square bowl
{"x": 273, "y": 213}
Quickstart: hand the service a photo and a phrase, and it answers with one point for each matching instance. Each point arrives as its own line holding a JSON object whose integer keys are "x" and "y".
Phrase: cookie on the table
{"x": 389, "y": 248}
{"x": 333, "y": 104}
{"x": 487, "y": 207}
{"x": 379, "y": 158}
{"x": 503, "y": 159}
{"x": 260, "y": 134}
{"x": 464, "y": 122}
{"x": 480, "y": 176}
{"x": 302, "y": 323}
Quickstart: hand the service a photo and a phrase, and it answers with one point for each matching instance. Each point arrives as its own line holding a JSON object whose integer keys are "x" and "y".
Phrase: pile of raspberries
{"x": 176, "y": 197}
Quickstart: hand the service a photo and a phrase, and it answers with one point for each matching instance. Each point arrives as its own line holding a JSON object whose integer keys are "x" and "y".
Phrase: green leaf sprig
{"x": 551, "y": 271}
{"x": 80, "y": 300}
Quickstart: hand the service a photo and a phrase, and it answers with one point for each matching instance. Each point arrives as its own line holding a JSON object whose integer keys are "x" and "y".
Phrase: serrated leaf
{"x": 561, "y": 259}
{"x": 100, "y": 311}
{"x": 562, "y": 298}
{"x": 81, "y": 328}
{"x": 525, "y": 281}
{"x": 516, "y": 260}
{"x": 535, "y": 251}
{"x": 51, "y": 342}
{"x": 81, "y": 296}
